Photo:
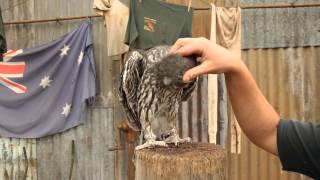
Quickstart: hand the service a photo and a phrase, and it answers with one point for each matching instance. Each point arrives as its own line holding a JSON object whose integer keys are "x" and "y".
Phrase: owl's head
{"x": 170, "y": 70}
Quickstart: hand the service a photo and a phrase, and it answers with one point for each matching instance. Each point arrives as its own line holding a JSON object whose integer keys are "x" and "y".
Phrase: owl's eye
{"x": 167, "y": 81}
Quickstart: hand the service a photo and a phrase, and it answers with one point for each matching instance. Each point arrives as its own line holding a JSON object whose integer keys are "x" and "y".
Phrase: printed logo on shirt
{"x": 149, "y": 24}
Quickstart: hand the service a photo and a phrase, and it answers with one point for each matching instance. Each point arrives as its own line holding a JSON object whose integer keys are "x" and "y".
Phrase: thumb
{"x": 196, "y": 71}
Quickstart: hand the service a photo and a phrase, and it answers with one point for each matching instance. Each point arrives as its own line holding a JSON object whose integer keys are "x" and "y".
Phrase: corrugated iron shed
{"x": 53, "y": 157}
{"x": 287, "y": 76}
{"x": 288, "y": 79}
{"x": 280, "y": 27}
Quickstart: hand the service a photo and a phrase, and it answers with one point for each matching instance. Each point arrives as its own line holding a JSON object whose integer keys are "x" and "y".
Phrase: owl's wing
{"x": 187, "y": 91}
{"x": 129, "y": 82}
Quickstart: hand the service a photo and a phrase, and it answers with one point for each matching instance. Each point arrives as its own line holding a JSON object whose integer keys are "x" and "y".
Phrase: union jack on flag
{"x": 44, "y": 89}
{"x": 12, "y": 70}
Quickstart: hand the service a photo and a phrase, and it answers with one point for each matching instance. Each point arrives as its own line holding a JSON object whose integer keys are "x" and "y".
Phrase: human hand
{"x": 214, "y": 58}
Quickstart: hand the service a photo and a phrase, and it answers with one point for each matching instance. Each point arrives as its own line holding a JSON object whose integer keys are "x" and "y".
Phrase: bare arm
{"x": 255, "y": 115}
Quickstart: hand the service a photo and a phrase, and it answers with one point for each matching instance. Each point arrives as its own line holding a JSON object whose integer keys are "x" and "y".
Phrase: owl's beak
{"x": 184, "y": 82}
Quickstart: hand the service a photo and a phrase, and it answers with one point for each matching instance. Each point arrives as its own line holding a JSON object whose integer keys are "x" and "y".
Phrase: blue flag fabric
{"x": 43, "y": 90}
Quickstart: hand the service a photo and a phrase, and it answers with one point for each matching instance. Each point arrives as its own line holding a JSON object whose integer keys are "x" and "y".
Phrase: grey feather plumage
{"x": 151, "y": 88}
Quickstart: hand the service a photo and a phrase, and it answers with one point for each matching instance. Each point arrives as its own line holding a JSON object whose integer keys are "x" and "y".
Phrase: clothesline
{"x": 50, "y": 20}
{"x": 292, "y": 5}
{"x": 267, "y": 6}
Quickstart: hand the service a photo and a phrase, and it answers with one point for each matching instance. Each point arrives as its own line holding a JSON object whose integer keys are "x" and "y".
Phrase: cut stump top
{"x": 191, "y": 159}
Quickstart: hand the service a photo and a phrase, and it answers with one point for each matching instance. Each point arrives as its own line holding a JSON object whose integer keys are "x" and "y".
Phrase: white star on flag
{"x": 66, "y": 110}
{"x": 64, "y": 50}
{"x": 80, "y": 58}
{"x": 45, "y": 82}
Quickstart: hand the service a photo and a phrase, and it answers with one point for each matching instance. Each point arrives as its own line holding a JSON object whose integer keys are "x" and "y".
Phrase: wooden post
{"x": 191, "y": 161}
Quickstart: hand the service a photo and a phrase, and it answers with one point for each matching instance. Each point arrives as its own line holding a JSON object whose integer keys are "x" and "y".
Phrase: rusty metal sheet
{"x": 89, "y": 159}
{"x": 288, "y": 79}
{"x": 277, "y": 1}
{"x": 280, "y": 27}
{"x": 193, "y": 114}
{"x": 18, "y": 159}
{"x": 54, "y": 157}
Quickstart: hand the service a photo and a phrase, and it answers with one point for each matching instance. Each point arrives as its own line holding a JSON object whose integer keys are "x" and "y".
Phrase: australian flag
{"x": 43, "y": 90}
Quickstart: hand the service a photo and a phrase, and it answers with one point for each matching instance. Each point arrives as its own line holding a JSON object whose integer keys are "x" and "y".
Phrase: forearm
{"x": 255, "y": 115}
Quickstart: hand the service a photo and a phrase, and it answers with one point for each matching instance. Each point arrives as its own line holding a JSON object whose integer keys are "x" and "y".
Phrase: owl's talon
{"x": 187, "y": 139}
{"x": 175, "y": 139}
{"x": 151, "y": 144}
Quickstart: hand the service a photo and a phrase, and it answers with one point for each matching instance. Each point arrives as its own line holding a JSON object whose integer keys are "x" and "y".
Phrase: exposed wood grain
{"x": 196, "y": 161}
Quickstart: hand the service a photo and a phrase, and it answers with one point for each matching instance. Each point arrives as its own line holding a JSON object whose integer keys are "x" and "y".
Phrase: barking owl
{"x": 151, "y": 90}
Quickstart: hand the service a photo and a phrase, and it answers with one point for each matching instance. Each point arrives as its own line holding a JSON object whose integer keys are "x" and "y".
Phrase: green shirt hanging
{"x": 3, "y": 44}
{"x": 154, "y": 22}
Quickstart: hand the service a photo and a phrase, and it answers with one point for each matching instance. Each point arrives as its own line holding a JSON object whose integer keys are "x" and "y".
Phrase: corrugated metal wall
{"x": 51, "y": 158}
{"x": 280, "y": 28}
{"x": 286, "y": 75}
{"x": 288, "y": 79}
{"x": 193, "y": 114}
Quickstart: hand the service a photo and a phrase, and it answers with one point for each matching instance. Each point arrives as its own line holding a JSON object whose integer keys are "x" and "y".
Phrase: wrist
{"x": 236, "y": 67}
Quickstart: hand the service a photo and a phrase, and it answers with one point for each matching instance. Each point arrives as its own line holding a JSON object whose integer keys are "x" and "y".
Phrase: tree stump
{"x": 189, "y": 161}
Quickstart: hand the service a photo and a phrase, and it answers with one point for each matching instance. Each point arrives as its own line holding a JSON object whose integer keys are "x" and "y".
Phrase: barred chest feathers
{"x": 151, "y": 90}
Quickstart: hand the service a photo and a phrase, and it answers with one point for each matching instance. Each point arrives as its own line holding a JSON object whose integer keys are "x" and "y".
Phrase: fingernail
{"x": 186, "y": 80}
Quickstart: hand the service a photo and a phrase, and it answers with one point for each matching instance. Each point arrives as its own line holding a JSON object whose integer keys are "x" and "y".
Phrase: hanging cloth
{"x": 152, "y": 23}
{"x": 116, "y": 15}
{"x": 213, "y": 88}
{"x": 228, "y": 29}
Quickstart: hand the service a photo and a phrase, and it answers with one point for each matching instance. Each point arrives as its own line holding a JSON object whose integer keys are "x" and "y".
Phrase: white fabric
{"x": 213, "y": 88}
{"x": 229, "y": 36}
{"x": 225, "y": 31}
{"x": 103, "y": 5}
{"x": 116, "y": 15}
{"x": 229, "y": 28}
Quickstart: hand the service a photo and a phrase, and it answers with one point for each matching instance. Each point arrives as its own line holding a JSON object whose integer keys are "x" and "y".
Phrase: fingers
{"x": 196, "y": 71}
{"x": 189, "y": 49}
{"x": 193, "y": 46}
{"x": 179, "y": 43}
{"x": 188, "y": 46}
